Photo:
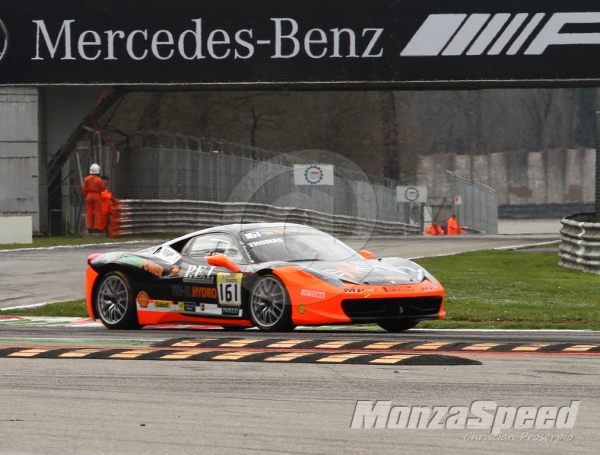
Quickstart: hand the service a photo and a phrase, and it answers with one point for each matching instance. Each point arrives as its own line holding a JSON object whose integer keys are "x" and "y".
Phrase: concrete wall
{"x": 520, "y": 178}
{"x": 34, "y": 124}
{"x": 19, "y": 148}
{"x": 15, "y": 229}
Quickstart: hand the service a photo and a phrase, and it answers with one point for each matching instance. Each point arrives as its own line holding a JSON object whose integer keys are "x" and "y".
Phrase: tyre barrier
{"x": 151, "y": 216}
{"x": 580, "y": 243}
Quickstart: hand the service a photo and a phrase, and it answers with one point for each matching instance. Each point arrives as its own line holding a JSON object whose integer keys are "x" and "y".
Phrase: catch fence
{"x": 175, "y": 167}
{"x": 172, "y": 167}
{"x": 478, "y": 208}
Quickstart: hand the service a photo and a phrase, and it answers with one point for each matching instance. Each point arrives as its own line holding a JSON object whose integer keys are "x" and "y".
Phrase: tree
{"x": 583, "y": 134}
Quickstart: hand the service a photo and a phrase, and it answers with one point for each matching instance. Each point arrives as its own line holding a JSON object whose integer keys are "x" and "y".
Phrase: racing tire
{"x": 269, "y": 305}
{"x": 114, "y": 303}
{"x": 397, "y": 326}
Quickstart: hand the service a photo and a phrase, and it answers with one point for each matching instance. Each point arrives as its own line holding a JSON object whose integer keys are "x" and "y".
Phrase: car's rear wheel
{"x": 270, "y": 308}
{"x": 114, "y": 302}
{"x": 397, "y": 326}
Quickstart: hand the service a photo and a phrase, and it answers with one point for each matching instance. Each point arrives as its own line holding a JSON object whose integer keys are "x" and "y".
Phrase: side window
{"x": 211, "y": 244}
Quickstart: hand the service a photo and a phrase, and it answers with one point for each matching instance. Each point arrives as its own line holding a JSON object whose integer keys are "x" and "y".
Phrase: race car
{"x": 272, "y": 276}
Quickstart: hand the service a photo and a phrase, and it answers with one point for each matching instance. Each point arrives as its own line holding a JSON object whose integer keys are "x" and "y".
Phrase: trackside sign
{"x": 335, "y": 42}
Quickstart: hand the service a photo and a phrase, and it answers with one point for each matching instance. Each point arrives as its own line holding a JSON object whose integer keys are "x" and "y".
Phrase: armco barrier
{"x": 146, "y": 216}
{"x": 580, "y": 243}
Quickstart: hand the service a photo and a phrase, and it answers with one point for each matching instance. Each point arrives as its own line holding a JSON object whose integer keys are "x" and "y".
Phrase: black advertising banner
{"x": 352, "y": 42}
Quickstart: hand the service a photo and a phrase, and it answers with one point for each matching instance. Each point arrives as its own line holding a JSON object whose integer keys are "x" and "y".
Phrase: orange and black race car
{"x": 272, "y": 276}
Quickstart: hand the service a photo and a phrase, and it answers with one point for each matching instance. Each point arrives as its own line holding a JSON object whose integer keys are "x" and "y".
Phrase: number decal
{"x": 229, "y": 287}
{"x": 229, "y": 293}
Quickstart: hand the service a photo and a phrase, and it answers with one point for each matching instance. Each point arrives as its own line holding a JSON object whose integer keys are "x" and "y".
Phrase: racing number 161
{"x": 229, "y": 292}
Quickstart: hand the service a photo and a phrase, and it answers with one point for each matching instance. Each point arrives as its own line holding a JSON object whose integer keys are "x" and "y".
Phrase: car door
{"x": 208, "y": 291}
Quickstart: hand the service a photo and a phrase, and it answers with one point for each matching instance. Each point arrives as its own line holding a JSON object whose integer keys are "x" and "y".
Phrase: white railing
{"x": 145, "y": 216}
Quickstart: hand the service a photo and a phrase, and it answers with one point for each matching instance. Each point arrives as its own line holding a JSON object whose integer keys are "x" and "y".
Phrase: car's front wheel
{"x": 270, "y": 308}
{"x": 397, "y": 326}
{"x": 114, "y": 302}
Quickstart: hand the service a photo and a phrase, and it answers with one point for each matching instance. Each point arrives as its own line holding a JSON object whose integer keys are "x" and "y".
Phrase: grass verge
{"x": 44, "y": 242}
{"x": 514, "y": 290}
{"x": 71, "y": 309}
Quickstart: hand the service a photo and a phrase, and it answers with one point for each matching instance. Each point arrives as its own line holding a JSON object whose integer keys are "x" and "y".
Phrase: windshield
{"x": 294, "y": 244}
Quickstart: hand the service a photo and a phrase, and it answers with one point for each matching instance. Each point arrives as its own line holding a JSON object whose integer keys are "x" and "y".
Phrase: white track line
{"x": 515, "y": 247}
{"x": 529, "y": 245}
{"x": 33, "y": 305}
{"x": 503, "y": 330}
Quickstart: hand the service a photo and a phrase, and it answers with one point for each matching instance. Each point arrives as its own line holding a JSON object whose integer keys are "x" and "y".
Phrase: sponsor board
{"x": 314, "y": 41}
{"x": 411, "y": 193}
{"x": 314, "y": 174}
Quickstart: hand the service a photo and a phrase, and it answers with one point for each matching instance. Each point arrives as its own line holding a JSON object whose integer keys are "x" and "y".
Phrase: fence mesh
{"x": 479, "y": 204}
{"x": 168, "y": 167}
{"x": 172, "y": 167}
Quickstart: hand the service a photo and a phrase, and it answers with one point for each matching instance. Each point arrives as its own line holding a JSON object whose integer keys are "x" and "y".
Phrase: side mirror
{"x": 220, "y": 260}
{"x": 366, "y": 254}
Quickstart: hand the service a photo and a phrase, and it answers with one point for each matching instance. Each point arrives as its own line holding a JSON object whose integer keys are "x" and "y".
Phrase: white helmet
{"x": 94, "y": 169}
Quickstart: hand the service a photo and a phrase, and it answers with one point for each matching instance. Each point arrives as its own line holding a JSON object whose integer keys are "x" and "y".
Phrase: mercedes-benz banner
{"x": 360, "y": 42}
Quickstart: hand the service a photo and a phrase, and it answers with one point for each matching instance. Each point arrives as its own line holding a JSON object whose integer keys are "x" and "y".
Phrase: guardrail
{"x": 580, "y": 243}
{"x": 147, "y": 216}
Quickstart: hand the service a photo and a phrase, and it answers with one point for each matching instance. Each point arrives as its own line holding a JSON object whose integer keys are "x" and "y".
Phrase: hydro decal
{"x": 313, "y": 42}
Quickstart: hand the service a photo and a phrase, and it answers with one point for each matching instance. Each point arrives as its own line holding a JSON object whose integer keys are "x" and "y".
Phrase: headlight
{"x": 328, "y": 279}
